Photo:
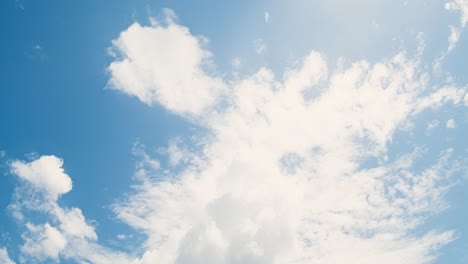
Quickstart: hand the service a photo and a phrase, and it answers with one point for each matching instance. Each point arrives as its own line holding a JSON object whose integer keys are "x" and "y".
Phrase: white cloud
{"x": 462, "y": 7}
{"x": 43, "y": 242}
{"x": 267, "y": 16}
{"x": 2, "y": 153}
{"x": 165, "y": 64}
{"x": 45, "y": 173}
{"x": 450, "y": 123}
{"x": 453, "y": 38}
{"x": 260, "y": 46}
{"x": 4, "y": 258}
{"x": 66, "y": 233}
{"x": 240, "y": 204}
{"x": 432, "y": 125}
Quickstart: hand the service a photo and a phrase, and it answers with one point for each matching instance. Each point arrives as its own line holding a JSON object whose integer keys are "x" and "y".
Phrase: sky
{"x": 237, "y": 132}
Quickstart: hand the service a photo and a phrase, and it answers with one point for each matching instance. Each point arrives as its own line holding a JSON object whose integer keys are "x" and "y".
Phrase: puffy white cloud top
{"x": 45, "y": 173}
{"x": 165, "y": 64}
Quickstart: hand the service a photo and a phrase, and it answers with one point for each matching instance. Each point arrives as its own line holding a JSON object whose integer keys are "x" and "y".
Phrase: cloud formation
{"x": 45, "y": 174}
{"x": 462, "y": 7}
{"x": 280, "y": 179}
{"x": 294, "y": 168}
{"x": 165, "y": 64}
{"x": 65, "y": 233}
{"x": 4, "y": 258}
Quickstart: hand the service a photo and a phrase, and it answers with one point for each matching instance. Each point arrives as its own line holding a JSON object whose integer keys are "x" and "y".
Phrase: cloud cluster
{"x": 283, "y": 174}
{"x": 65, "y": 233}
{"x": 280, "y": 178}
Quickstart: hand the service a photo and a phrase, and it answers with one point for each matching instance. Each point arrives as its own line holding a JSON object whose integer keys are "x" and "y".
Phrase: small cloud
{"x": 432, "y": 125}
{"x": 236, "y": 62}
{"x": 453, "y": 38}
{"x": 267, "y": 16}
{"x": 451, "y": 123}
{"x": 121, "y": 236}
{"x": 260, "y": 46}
{"x": 2, "y": 153}
{"x": 45, "y": 173}
{"x": 36, "y": 53}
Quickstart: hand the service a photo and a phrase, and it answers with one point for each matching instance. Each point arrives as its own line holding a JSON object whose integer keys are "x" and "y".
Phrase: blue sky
{"x": 241, "y": 132}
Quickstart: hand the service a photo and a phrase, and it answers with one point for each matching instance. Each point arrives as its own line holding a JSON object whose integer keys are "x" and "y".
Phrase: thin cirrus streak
{"x": 281, "y": 174}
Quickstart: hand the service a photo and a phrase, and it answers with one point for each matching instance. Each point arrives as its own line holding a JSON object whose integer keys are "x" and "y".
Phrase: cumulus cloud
{"x": 43, "y": 242}
{"x": 165, "y": 64}
{"x": 4, "y": 258}
{"x": 280, "y": 181}
{"x": 45, "y": 173}
{"x": 65, "y": 233}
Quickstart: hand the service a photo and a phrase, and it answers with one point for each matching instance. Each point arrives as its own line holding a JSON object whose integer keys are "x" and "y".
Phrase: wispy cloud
{"x": 432, "y": 125}
{"x": 260, "y": 46}
{"x": 460, "y": 6}
{"x": 450, "y": 123}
